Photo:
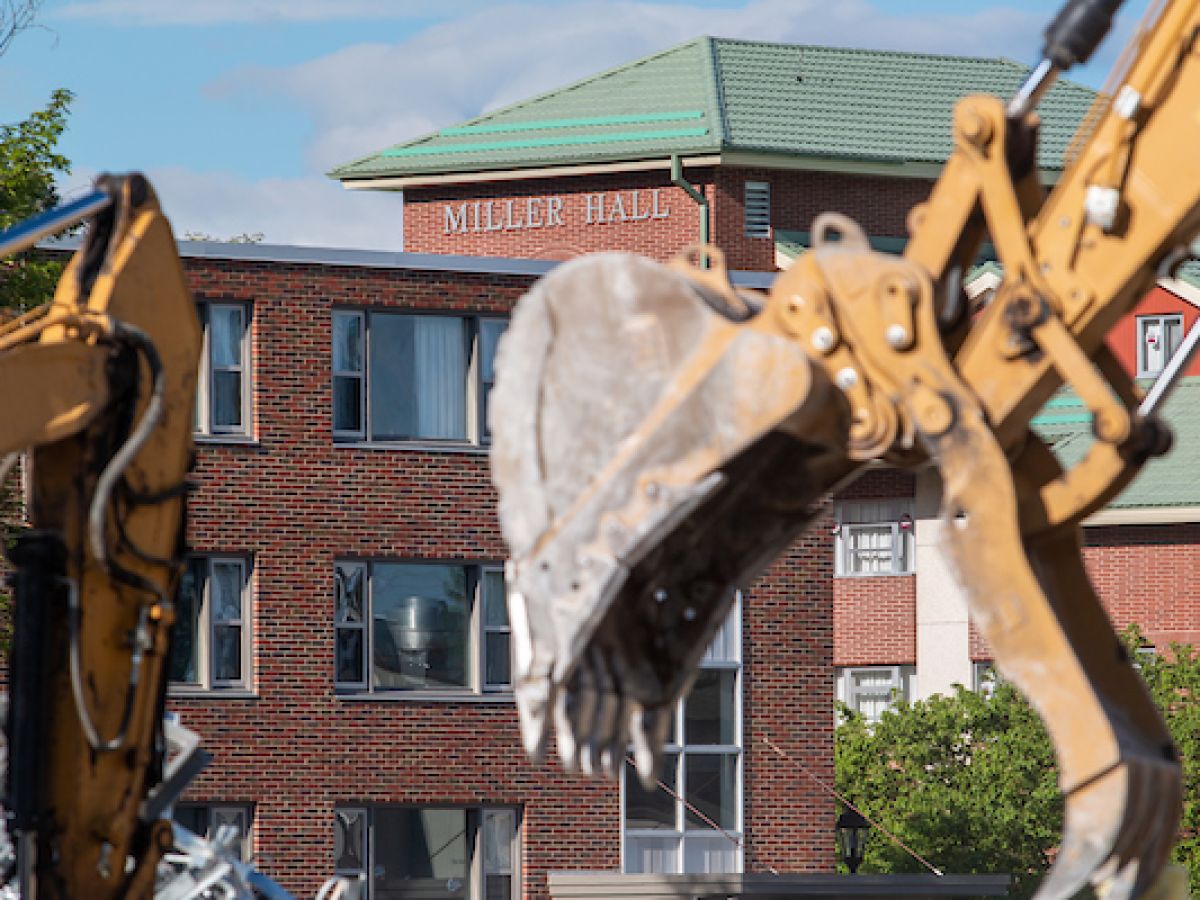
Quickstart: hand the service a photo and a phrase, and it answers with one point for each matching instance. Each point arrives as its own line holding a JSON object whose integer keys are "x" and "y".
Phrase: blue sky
{"x": 236, "y": 108}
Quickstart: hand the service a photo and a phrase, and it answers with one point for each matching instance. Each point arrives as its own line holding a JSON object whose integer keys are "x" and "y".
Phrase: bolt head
{"x": 897, "y": 336}
{"x": 823, "y": 339}
{"x": 847, "y": 378}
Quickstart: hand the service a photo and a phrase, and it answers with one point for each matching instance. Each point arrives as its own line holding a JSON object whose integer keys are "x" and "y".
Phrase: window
{"x": 1158, "y": 338}
{"x": 869, "y": 690}
{"x": 211, "y": 640}
{"x": 223, "y": 385}
{"x": 874, "y": 537}
{"x": 984, "y": 677}
{"x": 670, "y": 829}
{"x": 420, "y": 626}
{"x": 757, "y": 207}
{"x": 429, "y": 852}
{"x": 206, "y": 820}
{"x": 404, "y": 377}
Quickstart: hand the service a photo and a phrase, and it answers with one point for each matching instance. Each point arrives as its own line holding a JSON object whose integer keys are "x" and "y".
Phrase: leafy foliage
{"x": 970, "y": 782}
{"x": 29, "y": 163}
{"x": 967, "y": 781}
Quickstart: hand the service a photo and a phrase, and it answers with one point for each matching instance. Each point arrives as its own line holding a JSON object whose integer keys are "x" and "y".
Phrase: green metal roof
{"x": 716, "y": 95}
{"x": 1169, "y": 481}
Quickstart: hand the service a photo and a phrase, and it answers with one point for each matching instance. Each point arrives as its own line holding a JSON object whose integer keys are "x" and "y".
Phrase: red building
{"x": 345, "y": 655}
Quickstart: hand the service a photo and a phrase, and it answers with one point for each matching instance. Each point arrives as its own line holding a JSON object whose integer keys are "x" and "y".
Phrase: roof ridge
{"x": 563, "y": 89}
{"x": 716, "y": 92}
{"x": 868, "y": 51}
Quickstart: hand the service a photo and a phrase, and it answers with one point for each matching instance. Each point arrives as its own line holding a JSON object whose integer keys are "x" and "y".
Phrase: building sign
{"x": 601, "y": 208}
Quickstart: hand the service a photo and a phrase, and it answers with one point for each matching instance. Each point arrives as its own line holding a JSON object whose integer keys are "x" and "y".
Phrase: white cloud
{"x": 221, "y": 12}
{"x": 369, "y": 96}
{"x": 312, "y": 211}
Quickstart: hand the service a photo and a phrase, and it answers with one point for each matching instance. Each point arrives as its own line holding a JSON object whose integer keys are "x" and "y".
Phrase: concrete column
{"x": 943, "y": 641}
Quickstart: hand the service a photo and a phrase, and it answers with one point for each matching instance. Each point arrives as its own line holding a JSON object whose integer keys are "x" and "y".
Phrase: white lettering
{"x": 594, "y": 210}
{"x": 488, "y": 224}
{"x": 533, "y": 212}
{"x": 633, "y": 212}
{"x": 509, "y": 224}
{"x": 616, "y": 212}
{"x": 554, "y": 211}
{"x": 455, "y": 221}
{"x": 655, "y": 213}
{"x": 475, "y": 224}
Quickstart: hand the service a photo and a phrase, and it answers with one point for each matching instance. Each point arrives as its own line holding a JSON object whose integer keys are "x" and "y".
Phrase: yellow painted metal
{"x": 100, "y": 391}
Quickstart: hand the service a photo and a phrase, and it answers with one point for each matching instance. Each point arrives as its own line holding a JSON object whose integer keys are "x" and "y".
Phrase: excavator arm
{"x": 659, "y": 436}
{"x": 99, "y": 389}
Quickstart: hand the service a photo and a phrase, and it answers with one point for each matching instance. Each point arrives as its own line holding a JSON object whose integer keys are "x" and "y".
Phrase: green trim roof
{"x": 716, "y": 95}
{"x": 1169, "y": 481}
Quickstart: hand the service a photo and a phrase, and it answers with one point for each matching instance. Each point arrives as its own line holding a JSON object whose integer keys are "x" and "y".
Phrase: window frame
{"x": 903, "y": 541}
{"x": 213, "y": 808}
{"x": 756, "y": 209}
{"x": 476, "y": 687}
{"x": 476, "y": 816}
{"x": 677, "y": 746}
{"x": 202, "y": 424}
{"x": 205, "y": 683}
{"x": 1142, "y": 323}
{"x": 901, "y": 689}
{"x": 475, "y": 429}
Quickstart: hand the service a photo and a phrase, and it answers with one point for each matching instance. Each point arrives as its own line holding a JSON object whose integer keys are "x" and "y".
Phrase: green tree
{"x": 970, "y": 781}
{"x": 29, "y": 164}
{"x": 967, "y": 781}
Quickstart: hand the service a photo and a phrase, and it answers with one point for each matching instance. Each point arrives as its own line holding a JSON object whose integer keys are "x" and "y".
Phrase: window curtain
{"x": 440, "y": 355}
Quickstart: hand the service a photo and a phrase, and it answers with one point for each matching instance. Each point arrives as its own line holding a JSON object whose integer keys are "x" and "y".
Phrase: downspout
{"x": 679, "y": 181}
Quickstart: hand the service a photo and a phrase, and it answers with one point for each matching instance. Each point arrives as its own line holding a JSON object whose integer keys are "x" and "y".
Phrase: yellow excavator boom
{"x": 659, "y": 436}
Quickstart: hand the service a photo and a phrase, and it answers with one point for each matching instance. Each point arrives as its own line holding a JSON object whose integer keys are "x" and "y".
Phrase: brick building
{"x": 344, "y": 654}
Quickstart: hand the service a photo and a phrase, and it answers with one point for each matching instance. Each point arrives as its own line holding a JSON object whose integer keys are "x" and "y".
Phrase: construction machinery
{"x": 659, "y": 436}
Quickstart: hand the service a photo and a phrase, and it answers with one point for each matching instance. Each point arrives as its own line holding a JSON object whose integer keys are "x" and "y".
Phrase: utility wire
{"x": 733, "y": 838}
{"x": 832, "y": 790}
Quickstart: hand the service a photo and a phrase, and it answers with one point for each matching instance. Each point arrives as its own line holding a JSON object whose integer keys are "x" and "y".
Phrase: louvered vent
{"x": 758, "y": 209}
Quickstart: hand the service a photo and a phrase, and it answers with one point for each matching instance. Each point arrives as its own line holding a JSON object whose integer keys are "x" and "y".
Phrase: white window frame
{"x": 902, "y": 686}
{"x": 984, "y": 677}
{"x": 477, "y": 685}
{"x": 756, "y": 208}
{"x": 477, "y": 871}
{"x": 477, "y": 433}
{"x": 730, "y": 637}
{"x": 1143, "y": 325}
{"x": 850, "y": 520}
{"x": 205, "y": 627}
{"x": 203, "y": 424}
{"x": 212, "y": 812}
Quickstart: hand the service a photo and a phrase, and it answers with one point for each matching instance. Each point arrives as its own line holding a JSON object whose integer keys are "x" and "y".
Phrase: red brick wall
{"x": 875, "y": 617}
{"x": 296, "y": 502}
{"x": 659, "y": 238}
{"x": 880, "y": 205}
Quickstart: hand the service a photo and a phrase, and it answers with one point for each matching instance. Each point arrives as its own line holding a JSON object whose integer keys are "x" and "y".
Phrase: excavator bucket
{"x": 655, "y": 443}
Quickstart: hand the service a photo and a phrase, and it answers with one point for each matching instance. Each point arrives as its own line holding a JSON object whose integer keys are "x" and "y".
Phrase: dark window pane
{"x": 347, "y": 343}
{"x": 226, "y": 591}
{"x": 494, "y": 610}
{"x": 185, "y": 650}
{"x": 711, "y": 789}
{"x": 227, "y": 653}
{"x": 350, "y": 655}
{"x": 193, "y": 818}
{"x": 498, "y": 887}
{"x": 347, "y": 403}
{"x": 653, "y": 808}
{"x": 349, "y": 839}
{"x": 708, "y": 714}
{"x": 225, "y": 335}
{"x": 227, "y": 399}
{"x": 421, "y": 853}
{"x": 349, "y": 587}
{"x": 489, "y": 336}
{"x": 420, "y": 621}
{"x": 418, "y": 377}
{"x": 496, "y": 652}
